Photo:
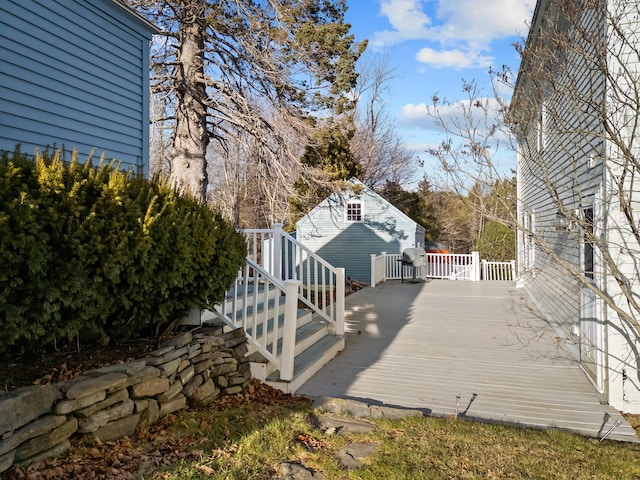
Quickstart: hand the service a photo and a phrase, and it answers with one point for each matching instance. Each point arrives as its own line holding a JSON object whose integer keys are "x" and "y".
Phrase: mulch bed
{"x": 51, "y": 366}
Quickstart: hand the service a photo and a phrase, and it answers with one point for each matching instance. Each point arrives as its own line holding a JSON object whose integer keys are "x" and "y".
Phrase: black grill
{"x": 413, "y": 257}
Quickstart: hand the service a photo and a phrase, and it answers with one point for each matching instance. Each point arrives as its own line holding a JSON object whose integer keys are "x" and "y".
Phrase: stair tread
{"x": 302, "y": 332}
{"x": 259, "y": 307}
{"x": 250, "y": 287}
{"x": 306, "y": 358}
{"x": 270, "y": 322}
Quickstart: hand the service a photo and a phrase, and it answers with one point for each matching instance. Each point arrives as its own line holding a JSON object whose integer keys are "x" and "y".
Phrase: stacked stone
{"x": 112, "y": 402}
{"x": 28, "y": 427}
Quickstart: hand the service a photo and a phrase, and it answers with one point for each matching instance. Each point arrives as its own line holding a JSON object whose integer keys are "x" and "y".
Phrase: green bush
{"x": 94, "y": 249}
{"x": 497, "y": 242}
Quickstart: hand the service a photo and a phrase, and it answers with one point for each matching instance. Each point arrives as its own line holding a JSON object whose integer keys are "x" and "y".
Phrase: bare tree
{"x": 476, "y": 156}
{"x": 247, "y": 189}
{"x": 376, "y": 144}
{"x": 228, "y": 68}
{"x": 575, "y": 114}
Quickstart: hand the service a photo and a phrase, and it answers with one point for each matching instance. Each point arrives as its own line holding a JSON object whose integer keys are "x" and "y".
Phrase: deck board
{"x": 420, "y": 345}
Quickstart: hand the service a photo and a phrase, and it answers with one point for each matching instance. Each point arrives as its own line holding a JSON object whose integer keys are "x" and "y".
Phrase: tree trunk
{"x": 189, "y": 165}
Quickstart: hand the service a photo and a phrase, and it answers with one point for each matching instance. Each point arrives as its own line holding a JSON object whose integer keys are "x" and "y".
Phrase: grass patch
{"x": 250, "y": 436}
{"x": 252, "y": 441}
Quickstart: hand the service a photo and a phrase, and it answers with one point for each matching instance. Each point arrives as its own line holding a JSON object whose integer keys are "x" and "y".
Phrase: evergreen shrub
{"x": 94, "y": 250}
{"x": 497, "y": 242}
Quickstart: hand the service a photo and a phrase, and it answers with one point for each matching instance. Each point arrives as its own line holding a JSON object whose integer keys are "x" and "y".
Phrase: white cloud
{"x": 463, "y": 29}
{"x": 420, "y": 115}
{"x": 416, "y": 115}
{"x": 406, "y": 16}
{"x": 416, "y": 118}
{"x": 474, "y": 21}
{"x": 407, "y": 19}
{"x": 482, "y": 21}
{"x": 453, "y": 58}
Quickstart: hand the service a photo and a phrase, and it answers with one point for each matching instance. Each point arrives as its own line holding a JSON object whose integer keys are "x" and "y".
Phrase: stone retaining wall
{"x": 111, "y": 402}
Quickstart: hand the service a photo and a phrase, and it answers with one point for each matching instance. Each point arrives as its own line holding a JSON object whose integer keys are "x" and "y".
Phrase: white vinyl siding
{"x": 567, "y": 162}
{"x": 555, "y": 177}
{"x": 74, "y": 75}
{"x": 529, "y": 243}
{"x": 542, "y": 120}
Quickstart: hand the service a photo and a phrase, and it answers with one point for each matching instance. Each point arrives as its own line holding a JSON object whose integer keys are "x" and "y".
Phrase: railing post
{"x": 277, "y": 251}
{"x": 340, "y": 301}
{"x": 289, "y": 333}
{"x": 485, "y": 270}
{"x": 513, "y": 270}
{"x": 475, "y": 266}
{"x": 373, "y": 270}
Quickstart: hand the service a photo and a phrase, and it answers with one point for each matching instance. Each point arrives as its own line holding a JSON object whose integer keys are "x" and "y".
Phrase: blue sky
{"x": 432, "y": 45}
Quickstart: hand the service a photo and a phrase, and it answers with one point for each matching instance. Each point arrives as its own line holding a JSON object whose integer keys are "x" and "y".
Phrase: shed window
{"x": 354, "y": 211}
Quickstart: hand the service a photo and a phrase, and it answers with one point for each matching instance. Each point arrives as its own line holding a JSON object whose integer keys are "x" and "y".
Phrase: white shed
{"x": 348, "y": 227}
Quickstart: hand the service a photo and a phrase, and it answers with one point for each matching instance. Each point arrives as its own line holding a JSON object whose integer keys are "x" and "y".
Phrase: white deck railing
{"x": 499, "y": 270}
{"x": 321, "y": 284}
{"x": 254, "y": 304}
{"x": 447, "y": 266}
{"x": 279, "y": 266}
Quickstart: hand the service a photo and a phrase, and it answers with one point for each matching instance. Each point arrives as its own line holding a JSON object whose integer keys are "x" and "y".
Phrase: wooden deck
{"x": 420, "y": 345}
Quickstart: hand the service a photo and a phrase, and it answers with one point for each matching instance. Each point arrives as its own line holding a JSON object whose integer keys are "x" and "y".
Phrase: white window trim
{"x": 542, "y": 127}
{"x": 588, "y": 204}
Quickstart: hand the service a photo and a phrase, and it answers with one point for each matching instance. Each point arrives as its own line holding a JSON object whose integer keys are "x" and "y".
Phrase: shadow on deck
{"x": 482, "y": 345}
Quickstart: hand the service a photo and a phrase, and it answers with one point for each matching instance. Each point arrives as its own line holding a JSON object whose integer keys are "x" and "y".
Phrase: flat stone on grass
{"x": 341, "y": 425}
{"x": 355, "y": 454}
{"x": 298, "y": 471}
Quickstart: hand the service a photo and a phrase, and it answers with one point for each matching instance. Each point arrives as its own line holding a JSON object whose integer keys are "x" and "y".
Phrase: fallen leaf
{"x": 206, "y": 470}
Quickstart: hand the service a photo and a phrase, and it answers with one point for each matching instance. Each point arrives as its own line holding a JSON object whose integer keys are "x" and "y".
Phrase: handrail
{"x": 286, "y": 258}
{"x": 322, "y": 288}
{"x": 254, "y": 304}
{"x": 278, "y": 265}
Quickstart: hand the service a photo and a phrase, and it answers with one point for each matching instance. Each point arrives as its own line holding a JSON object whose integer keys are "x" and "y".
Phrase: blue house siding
{"x": 383, "y": 228}
{"x": 75, "y": 75}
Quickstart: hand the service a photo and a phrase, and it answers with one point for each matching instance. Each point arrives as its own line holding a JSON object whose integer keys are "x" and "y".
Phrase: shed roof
{"x": 354, "y": 181}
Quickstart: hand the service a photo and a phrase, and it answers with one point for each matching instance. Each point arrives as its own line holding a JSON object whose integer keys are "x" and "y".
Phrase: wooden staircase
{"x": 293, "y": 318}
